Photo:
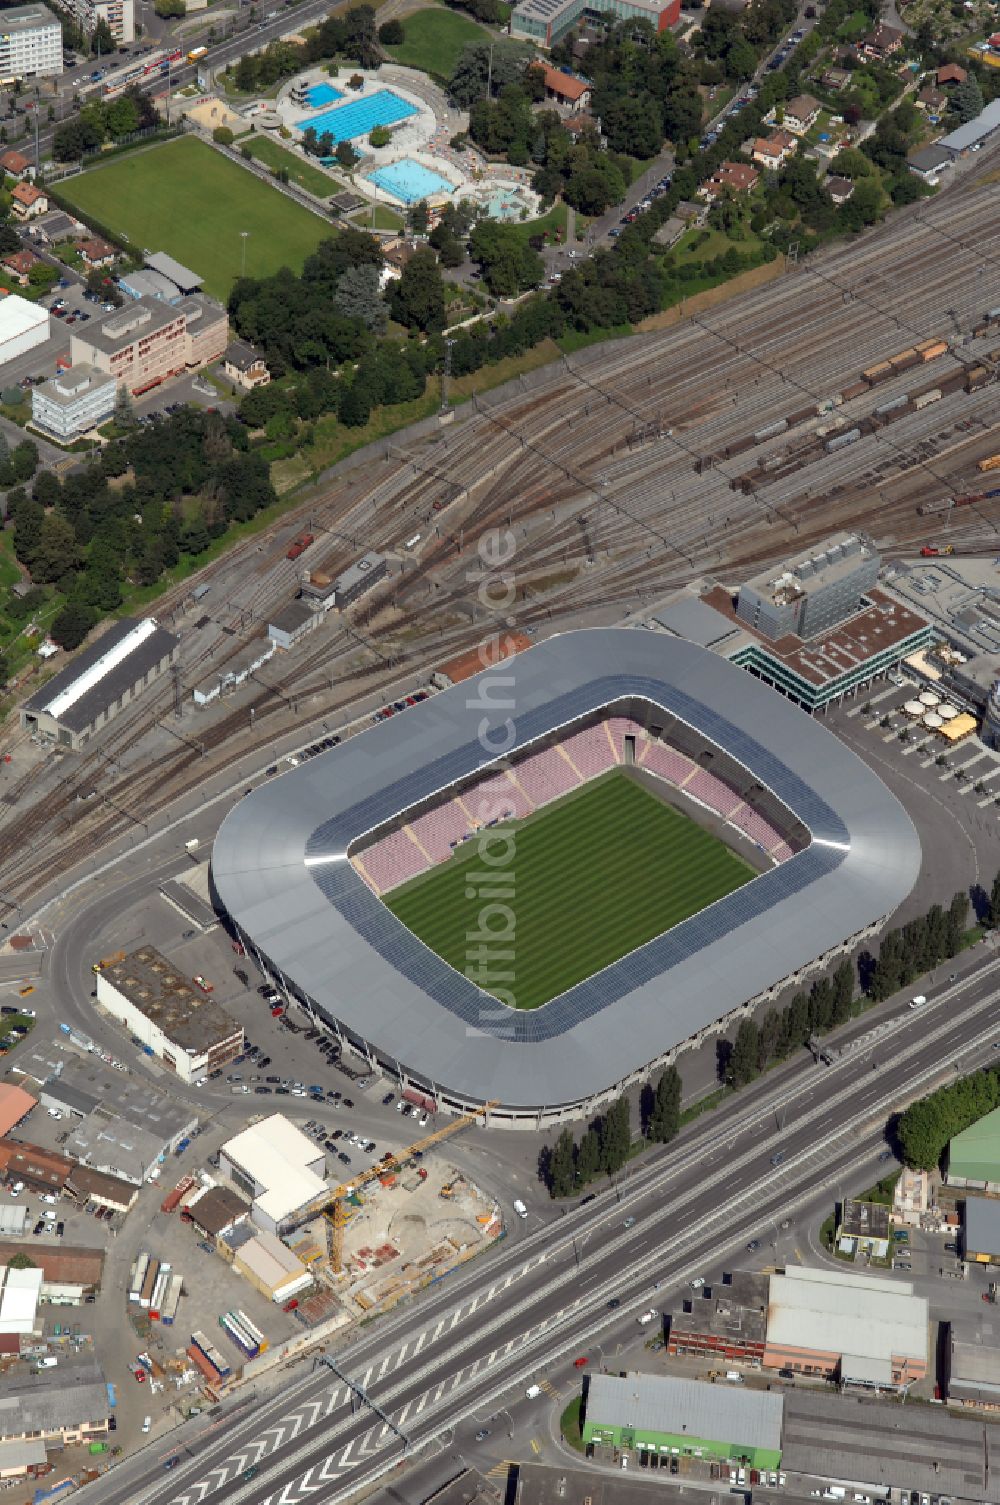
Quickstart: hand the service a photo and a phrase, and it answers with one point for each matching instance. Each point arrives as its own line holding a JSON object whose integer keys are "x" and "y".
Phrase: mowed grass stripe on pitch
{"x": 595, "y": 875}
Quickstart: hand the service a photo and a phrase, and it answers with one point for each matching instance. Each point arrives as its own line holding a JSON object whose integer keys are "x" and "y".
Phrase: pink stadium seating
{"x": 590, "y": 751}
{"x": 666, "y": 763}
{"x": 622, "y": 727}
{"x": 782, "y": 852}
{"x": 495, "y": 797}
{"x": 756, "y": 827}
{"x": 392, "y": 861}
{"x": 438, "y": 830}
{"x": 712, "y": 792}
{"x": 545, "y": 776}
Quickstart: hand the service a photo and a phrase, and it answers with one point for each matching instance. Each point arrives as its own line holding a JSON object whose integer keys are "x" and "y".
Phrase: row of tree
{"x": 102, "y": 120}
{"x": 606, "y": 1145}
{"x": 924, "y": 1129}
{"x": 351, "y": 35}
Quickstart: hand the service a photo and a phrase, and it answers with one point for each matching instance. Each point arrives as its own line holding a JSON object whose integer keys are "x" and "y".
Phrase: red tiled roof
{"x": 564, "y": 84}
{"x": 14, "y": 162}
{"x": 14, "y": 1104}
{"x": 27, "y": 193}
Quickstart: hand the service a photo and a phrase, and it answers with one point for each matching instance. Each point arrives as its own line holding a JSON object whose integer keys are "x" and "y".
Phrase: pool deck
{"x": 423, "y": 138}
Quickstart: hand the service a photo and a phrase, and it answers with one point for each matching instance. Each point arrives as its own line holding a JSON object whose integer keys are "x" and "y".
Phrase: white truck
{"x": 520, "y": 1208}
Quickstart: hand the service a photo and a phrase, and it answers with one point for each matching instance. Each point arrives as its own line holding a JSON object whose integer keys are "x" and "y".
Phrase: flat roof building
{"x": 119, "y": 16}
{"x": 727, "y": 1322}
{"x": 974, "y": 1155}
{"x": 812, "y": 593}
{"x": 184, "y": 1028}
{"x": 70, "y": 1405}
{"x": 73, "y": 402}
{"x": 981, "y": 1231}
{"x": 115, "y": 1147}
{"x": 81, "y": 1086}
{"x": 354, "y": 582}
{"x": 547, "y": 21}
{"x": 181, "y": 276}
{"x": 140, "y": 284}
{"x": 973, "y": 1364}
{"x": 860, "y": 1329}
{"x": 148, "y": 341}
{"x": 292, "y": 622}
{"x": 278, "y": 1168}
{"x": 23, "y": 325}
{"x": 19, "y": 1297}
{"x": 102, "y": 680}
{"x": 658, "y": 1413}
{"x": 15, "y": 1105}
{"x": 30, "y": 44}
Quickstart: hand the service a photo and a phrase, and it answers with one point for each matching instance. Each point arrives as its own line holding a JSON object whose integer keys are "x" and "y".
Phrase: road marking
{"x": 536, "y": 1447}
{"x": 420, "y": 1343}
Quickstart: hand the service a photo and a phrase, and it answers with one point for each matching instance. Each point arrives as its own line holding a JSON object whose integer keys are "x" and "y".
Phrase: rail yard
{"x": 856, "y": 391}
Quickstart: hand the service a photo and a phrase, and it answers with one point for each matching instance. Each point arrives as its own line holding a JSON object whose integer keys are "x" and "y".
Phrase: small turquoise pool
{"x": 410, "y": 181}
{"x": 322, "y": 94}
{"x": 345, "y": 122}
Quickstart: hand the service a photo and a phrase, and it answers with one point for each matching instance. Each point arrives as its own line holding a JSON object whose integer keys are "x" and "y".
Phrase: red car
{"x": 140, "y": 1375}
{"x": 276, "y": 1013}
{"x": 579, "y": 1363}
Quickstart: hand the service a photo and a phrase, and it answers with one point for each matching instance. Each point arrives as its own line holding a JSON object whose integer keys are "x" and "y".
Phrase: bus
{"x": 196, "y": 53}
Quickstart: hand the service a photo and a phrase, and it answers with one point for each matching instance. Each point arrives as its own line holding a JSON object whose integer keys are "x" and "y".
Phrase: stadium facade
{"x": 286, "y": 871}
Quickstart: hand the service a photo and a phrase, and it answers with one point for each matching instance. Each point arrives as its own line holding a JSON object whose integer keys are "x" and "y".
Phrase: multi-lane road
{"x": 520, "y": 1314}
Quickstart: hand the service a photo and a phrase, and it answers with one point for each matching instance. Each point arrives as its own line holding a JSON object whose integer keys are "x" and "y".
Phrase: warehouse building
{"x": 279, "y": 1168}
{"x": 71, "y": 1406}
{"x": 83, "y": 1086}
{"x": 20, "y": 1293}
{"x": 30, "y": 44}
{"x": 879, "y": 1446}
{"x": 861, "y": 1330}
{"x": 17, "y": 1459}
{"x": 727, "y": 1322}
{"x": 23, "y": 325}
{"x": 115, "y": 1148}
{"x": 367, "y": 572}
{"x": 181, "y": 1025}
{"x": 674, "y": 1417}
{"x": 291, "y": 623}
{"x": 265, "y": 1263}
{"x": 15, "y": 1105}
{"x": 981, "y": 1231}
{"x": 181, "y": 276}
{"x": 973, "y": 1364}
{"x": 236, "y": 671}
{"x": 974, "y": 1155}
{"x": 101, "y": 681}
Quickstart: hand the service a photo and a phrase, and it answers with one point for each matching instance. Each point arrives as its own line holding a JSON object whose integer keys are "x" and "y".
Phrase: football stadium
{"x": 539, "y": 885}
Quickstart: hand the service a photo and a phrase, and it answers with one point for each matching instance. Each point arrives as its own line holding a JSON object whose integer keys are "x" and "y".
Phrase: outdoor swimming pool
{"x": 322, "y": 94}
{"x": 345, "y": 122}
{"x": 409, "y": 181}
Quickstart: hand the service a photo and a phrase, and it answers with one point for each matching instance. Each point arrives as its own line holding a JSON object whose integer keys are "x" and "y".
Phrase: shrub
{"x": 380, "y": 136}
{"x": 391, "y": 34}
{"x": 223, "y": 135}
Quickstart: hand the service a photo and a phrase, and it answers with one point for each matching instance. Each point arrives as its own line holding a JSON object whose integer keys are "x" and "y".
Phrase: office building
{"x": 30, "y": 44}
{"x": 99, "y": 682}
{"x": 206, "y": 329}
{"x": 674, "y": 1417}
{"x": 812, "y": 593}
{"x": 182, "y": 1026}
{"x": 546, "y": 22}
{"x": 73, "y": 402}
{"x": 140, "y": 345}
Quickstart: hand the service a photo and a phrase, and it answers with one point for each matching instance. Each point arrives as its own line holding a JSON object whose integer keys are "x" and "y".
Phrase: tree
{"x": 588, "y": 1157}
{"x": 664, "y": 1120}
{"x": 418, "y": 217}
{"x": 391, "y": 34}
{"x": 967, "y": 99}
{"x": 102, "y": 40}
{"x": 843, "y": 992}
{"x": 416, "y": 299}
{"x": 474, "y": 76}
{"x": 994, "y": 902}
{"x": 71, "y": 625}
{"x": 562, "y": 1165}
{"x": 345, "y": 154}
{"x": 359, "y": 296}
{"x": 223, "y": 136}
{"x": 169, "y": 10}
{"x": 355, "y": 405}
{"x": 56, "y": 551}
{"x": 616, "y": 1136}
{"x": 743, "y": 1062}
{"x": 956, "y": 923}
{"x": 124, "y": 411}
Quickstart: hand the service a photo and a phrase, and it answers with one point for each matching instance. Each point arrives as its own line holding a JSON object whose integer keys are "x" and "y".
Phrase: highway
{"x": 520, "y": 1314}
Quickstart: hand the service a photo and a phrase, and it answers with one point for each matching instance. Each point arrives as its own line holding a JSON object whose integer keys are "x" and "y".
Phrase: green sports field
{"x": 190, "y": 201}
{"x": 594, "y": 875}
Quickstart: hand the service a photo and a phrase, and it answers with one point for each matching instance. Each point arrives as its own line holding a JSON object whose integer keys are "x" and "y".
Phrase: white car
{"x": 201, "y": 1082}
{"x": 147, "y": 1422}
{"x": 49, "y": 1215}
{"x": 49, "y": 1198}
{"x": 697, "y": 1283}
{"x": 646, "y": 1318}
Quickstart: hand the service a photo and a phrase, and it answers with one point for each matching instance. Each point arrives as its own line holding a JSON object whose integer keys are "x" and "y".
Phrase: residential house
{"x": 245, "y": 365}
{"x": 16, "y": 164}
{"x": 836, "y": 79}
{"x": 773, "y": 151}
{"x": 54, "y": 227}
{"x": 96, "y": 253}
{"x": 578, "y": 125}
{"x": 951, "y": 73}
{"x": 839, "y": 189}
{"x": 801, "y": 114}
{"x": 27, "y": 201}
{"x": 934, "y": 101}
{"x": 732, "y": 177}
{"x": 19, "y": 263}
{"x": 881, "y": 42}
{"x": 565, "y": 89}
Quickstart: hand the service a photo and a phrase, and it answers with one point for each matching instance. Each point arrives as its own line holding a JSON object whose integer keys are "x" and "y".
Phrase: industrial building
{"x": 15, "y": 1105}
{"x": 96, "y": 1187}
{"x": 265, "y": 1263}
{"x": 69, "y": 1406}
{"x": 674, "y": 1417}
{"x": 291, "y": 623}
{"x": 23, "y": 325}
{"x": 861, "y": 1330}
{"x": 214, "y": 1210}
{"x": 100, "y": 681}
{"x": 972, "y": 1376}
{"x": 183, "y": 1027}
{"x": 278, "y": 1167}
{"x": 236, "y": 671}
{"x": 877, "y": 1446}
{"x": 115, "y": 1148}
{"x": 354, "y": 582}
{"x": 183, "y": 279}
{"x": 84, "y": 1088}
{"x": 981, "y": 1231}
{"x": 727, "y": 1322}
{"x": 973, "y": 1157}
{"x": 73, "y": 402}
{"x": 864, "y": 1228}
{"x": 145, "y": 284}
{"x": 20, "y": 1292}
{"x": 546, "y": 22}
{"x": 31, "y": 44}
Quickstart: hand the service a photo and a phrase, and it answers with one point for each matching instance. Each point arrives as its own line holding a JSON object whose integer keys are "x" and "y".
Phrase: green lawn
{"x": 596, "y": 874}
{"x": 186, "y": 199}
{"x": 312, "y": 179}
{"x": 434, "y": 38}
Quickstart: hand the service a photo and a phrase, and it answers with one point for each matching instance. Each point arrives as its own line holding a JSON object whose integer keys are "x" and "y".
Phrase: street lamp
{"x": 243, "y": 252}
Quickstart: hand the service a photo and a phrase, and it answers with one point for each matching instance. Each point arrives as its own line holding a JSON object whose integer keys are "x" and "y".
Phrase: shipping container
{"x": 138, "y": 1276}
{"x": 173, "y": 1197}
{"x": 904, "y": 360}
{"x": 168, "y": 1311}
{"x": 236, "y": 1334}
{"x": 856, "y": 389}
{"x": 251, "y": 1328}
{"x": 926, "y": 398}
{"x": 206, "y": 1366}
{"x": 146, "y": 1294}
{"x": 159, "y": 1292}
{"x": 842, "y": 441}
{"x": 929, "y": 350}
{"x": 211, "y": 1353}
{"x": 880, "y": 372}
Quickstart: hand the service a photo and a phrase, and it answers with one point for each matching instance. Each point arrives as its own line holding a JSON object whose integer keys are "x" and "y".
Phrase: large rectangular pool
{"x": 410, "y": 181}
{"x": 345, "y": 122}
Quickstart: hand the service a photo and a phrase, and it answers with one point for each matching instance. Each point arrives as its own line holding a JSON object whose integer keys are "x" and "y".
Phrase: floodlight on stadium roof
{"x": 281, "y": 870}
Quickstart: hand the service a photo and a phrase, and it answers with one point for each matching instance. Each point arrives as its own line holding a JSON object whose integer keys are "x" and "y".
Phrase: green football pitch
{"x": 592, "y": 877}
{"x": 190, "y": 201}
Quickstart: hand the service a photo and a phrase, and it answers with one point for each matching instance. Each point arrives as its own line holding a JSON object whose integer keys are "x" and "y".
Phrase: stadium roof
{"x": 280, "y": 869}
